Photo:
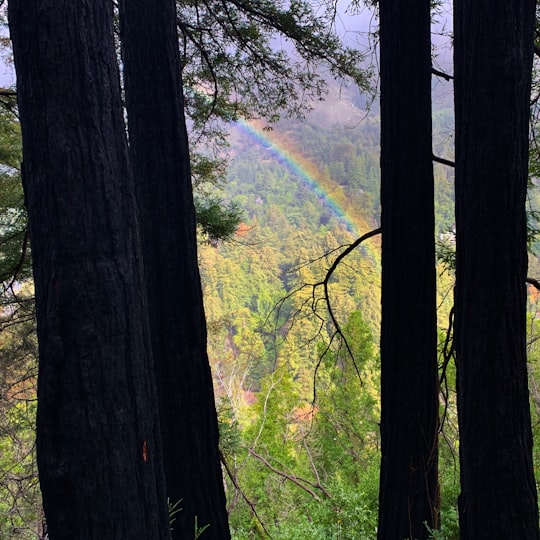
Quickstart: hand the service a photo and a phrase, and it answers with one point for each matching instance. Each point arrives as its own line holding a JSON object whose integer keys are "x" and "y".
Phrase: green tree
{"x": 348, "y": 405}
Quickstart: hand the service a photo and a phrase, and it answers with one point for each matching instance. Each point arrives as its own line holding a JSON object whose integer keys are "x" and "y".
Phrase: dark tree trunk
{"x": 160, "y": 156}
{"x": 97, "y": 427}
{"x": 409, "y": 388}
{"x": 493, "y": 59}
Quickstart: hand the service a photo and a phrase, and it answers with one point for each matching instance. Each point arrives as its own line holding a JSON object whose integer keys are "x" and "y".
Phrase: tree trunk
{"x": 160, "y": 156}
{"x": 97, "y": 428}
{"x": 409, "y": 388}
{"x": 493, "y": 59}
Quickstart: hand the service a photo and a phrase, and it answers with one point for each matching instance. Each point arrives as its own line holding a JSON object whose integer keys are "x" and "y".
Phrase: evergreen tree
{"x": 493, "y": 57}
{"x": 409, "y": 386}
{"x": 160, "y": 157}
{"x": 98, "y": 444}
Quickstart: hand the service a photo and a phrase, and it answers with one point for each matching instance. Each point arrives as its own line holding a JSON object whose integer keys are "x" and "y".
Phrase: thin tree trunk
{"x": 409, "y": 390}
{"x": 493, "y": 61}
{"x": 97, "y": 426}
{"x": 160, "y": 156}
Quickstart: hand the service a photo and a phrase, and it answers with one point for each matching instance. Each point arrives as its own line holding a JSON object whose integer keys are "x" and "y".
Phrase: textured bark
{"x": 97, "y": 427}
{"x": 493, "y": 56}
{"x": 160, "y": 156}
{"x": 409, "y": 389}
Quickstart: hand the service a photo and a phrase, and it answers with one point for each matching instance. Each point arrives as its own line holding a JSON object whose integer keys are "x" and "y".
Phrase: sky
{"x": 7, "y": 74}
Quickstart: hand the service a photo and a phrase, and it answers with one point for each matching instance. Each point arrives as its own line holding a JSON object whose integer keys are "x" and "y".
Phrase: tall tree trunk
{"x": 409, "y": 389}
{"x": 493, "y": 59}
{"x": 160, "y": 156}
{"x": 97, "y": 427}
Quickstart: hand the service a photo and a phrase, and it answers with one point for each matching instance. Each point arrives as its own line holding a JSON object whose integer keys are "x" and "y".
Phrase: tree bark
{"x": 493, "y": 60}
{"x": 97, "y": 427}
{"x": 409, "y": 388}
{"x": 160, "y": 156}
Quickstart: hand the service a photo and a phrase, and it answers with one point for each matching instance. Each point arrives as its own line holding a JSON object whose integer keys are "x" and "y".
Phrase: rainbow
{"x": 324, "y": 187}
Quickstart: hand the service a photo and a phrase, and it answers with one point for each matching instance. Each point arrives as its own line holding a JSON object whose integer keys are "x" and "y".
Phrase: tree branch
{"x": 291, "y": 477}
{"x": 239, "y": 489}
{"x": 534, "y": 282}
{"x": 314, "y": 468}
{"x": 443, "y": 161}
{"x": 441, "y": 74}
{"x": 20, "y": 262}
{"x": 326, "y": 280}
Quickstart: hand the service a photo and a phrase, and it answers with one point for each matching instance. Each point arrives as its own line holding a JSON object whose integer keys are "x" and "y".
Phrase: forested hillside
{"x": 307, "y": 190}
{"x": 300, "y": 414}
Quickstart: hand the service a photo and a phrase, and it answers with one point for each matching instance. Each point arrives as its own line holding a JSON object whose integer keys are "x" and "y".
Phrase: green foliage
{"x": 229, "y": 428}
{"x": 14, "y": 249}
{"x": 282, "y": 448}
{"x": 174, "y": 509}
{"x": 316, "y": 460}
{"x": 217, "y": 221}
{"x": 445, "y": 251}
{"x": 533, "y": 199}
{"x": 207, "y": 172}
{"x": 533, "y": 350}
{"x": 200, "y": 530}
{"x": 346, "y": 426}
{"x": 257, "y": 59}
{"x": 289, "y": 239}
{"x": 234, "y": 67}
{"x": 20, "y": 500}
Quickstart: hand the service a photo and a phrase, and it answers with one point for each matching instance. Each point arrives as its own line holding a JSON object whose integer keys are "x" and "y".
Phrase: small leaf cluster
{"x": 217, "y": 221}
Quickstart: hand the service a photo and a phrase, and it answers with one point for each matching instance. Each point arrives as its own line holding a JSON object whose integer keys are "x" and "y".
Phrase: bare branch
{"x": 300, "y": 482}
{"x": 443, "y": 161}
{"x": 448, "y": 354}
{"x": 326, "y": 281}
{"x": 534, "y": 282}
{"x": 441, "y": 74}
{"x": 314, "y": 468}
{"x": 239, "y": 489}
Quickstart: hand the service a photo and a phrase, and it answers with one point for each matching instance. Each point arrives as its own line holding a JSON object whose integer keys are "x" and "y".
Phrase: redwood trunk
{"x": 493, "y": 61}
{"x": 97, "y": 428}
{"x": 160, "y": 156}
{"x": 409, "y": 391}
